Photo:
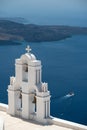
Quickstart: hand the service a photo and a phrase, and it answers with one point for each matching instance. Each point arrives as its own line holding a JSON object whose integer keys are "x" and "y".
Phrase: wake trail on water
{"x": 67, "y": 96}
{"x": 63, "y": 103}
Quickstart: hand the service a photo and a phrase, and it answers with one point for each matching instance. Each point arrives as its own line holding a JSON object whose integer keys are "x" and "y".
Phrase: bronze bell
{"x": 26, "y": 67}
{"x": 20, "y": 96}
{"x": 34, "y": 101}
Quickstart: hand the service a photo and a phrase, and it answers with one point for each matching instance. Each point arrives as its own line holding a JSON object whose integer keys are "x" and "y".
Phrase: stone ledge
{"x": 67, "y": 124}
{"x": 51, "y": 120}
{"x": 3, "y": 107}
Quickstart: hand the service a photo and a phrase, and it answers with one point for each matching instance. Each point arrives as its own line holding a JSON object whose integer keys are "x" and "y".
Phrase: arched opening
{"x": 34, "y": 102}
{"x": 25, "y": 72}
{"x": 20, "y": 97}
{"x": 19, "y": 101}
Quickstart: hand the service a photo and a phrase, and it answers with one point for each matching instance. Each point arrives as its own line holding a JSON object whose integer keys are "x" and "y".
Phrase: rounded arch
{"x": 27, "y": 58}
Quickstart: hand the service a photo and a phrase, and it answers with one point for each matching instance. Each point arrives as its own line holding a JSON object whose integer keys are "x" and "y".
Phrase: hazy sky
{"x": 45, "y": 9}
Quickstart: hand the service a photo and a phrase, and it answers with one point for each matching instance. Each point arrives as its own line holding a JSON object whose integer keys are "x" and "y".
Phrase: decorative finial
{"x": 28, "y": 49}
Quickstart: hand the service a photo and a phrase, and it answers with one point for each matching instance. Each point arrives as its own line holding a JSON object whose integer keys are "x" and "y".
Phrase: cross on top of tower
{"x": 28, "y": 49}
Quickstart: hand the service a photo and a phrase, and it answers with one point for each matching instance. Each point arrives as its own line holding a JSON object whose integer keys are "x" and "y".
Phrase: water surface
{"x": 64, "y": 65}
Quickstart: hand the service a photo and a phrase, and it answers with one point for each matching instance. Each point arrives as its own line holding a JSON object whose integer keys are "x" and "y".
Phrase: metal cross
{"x": 28, "y": 49}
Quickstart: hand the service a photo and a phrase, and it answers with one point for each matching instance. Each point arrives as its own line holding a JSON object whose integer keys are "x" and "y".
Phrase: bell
{"x": 20, "y": 96}
{"x": 26, "y": 69}
{"x": 34, "y": 101}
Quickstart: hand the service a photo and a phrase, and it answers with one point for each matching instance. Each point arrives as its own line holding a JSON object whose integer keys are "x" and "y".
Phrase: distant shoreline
{"x": 12, "y": 31}
{"x": 8, "y": 42}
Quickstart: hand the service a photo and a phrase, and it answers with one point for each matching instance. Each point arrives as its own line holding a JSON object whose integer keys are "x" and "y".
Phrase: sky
{"x": 46, "y": 11}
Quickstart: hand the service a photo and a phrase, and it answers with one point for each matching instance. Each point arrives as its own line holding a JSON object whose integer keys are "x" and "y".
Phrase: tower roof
{"x": 28, "y": 56}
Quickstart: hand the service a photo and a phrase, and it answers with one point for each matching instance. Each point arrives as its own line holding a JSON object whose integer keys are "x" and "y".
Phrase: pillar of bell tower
{"x": 11, "y": 102}
{"x": 43, "y": 103}
{"x": 18, "y": 71}
{"x": 25, "y": 106}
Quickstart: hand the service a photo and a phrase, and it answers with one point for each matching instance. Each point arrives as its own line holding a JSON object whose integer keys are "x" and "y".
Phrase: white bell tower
{"x": 28, "y": 97}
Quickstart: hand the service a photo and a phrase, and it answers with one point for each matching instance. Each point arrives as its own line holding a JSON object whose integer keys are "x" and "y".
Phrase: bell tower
{"x": 28, "y": 97}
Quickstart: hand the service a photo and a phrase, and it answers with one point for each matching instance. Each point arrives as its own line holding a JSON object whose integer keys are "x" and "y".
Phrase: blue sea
{"x": 64, "y": 67}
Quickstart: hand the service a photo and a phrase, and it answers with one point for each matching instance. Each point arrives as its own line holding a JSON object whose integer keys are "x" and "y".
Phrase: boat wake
{"x": 63, "y": 103}
{"x": 67, "y": 96}
{"x": 71, "y": 94}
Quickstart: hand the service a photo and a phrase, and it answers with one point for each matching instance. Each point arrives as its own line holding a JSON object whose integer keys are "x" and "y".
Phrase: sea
{"x": 64, "y": 68}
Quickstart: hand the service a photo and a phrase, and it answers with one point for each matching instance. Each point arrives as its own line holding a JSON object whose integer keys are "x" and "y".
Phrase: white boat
{"x": 70, "y": 94}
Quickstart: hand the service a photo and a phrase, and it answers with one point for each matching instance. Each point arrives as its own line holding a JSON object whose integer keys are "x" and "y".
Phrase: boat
{"x": 70, "y": 94}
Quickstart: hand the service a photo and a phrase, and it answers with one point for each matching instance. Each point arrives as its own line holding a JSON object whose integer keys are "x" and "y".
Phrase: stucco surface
{"x": 13, "y": 123}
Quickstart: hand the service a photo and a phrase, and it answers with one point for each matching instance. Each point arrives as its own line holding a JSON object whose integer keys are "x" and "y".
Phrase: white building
{"x": 28, "y": 97}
